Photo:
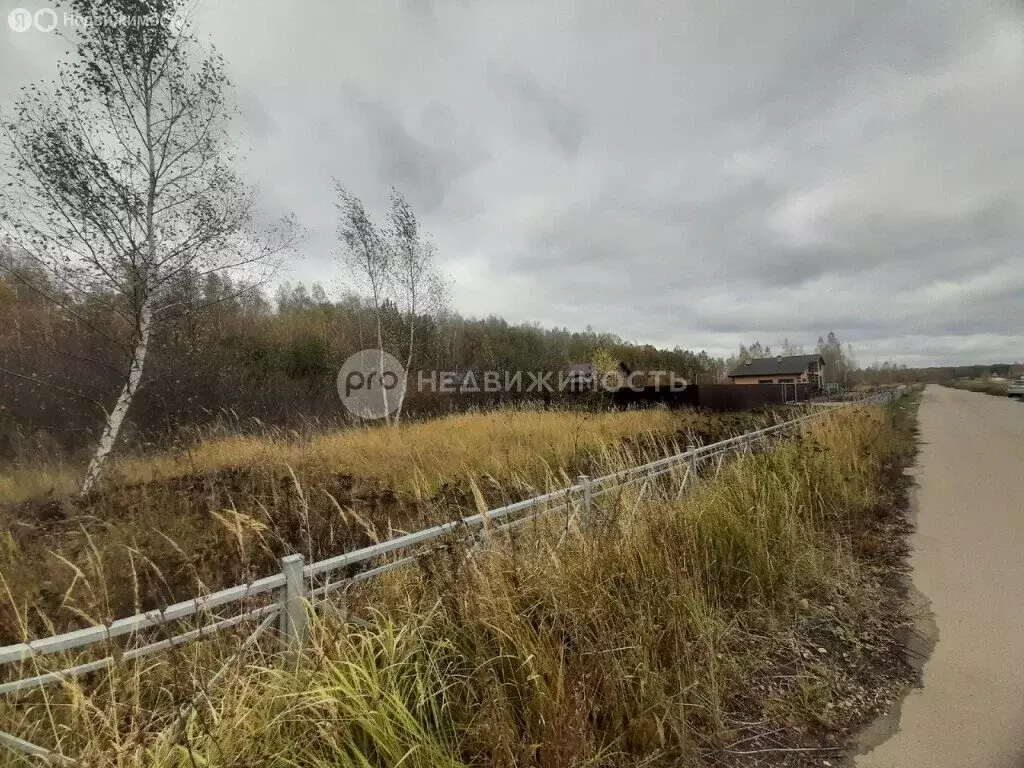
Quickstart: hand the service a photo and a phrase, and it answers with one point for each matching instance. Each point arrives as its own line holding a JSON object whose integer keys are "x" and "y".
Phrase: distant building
{"x": 803, "y": 369}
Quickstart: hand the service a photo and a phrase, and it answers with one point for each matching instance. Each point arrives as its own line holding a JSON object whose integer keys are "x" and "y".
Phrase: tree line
{"x": 235, "y": 353}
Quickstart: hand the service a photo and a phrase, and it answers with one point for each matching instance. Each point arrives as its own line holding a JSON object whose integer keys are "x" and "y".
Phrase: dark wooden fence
{"x": 716, "y": 397}
{"x": 711, "y": 397}
{"x": 744, "y": 397}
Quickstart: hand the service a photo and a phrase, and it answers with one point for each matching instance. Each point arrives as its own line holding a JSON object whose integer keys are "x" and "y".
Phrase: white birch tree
{"x": 368, "y": 256}
{"x": 121, "y": 181}
{"x": 394, "y": 265}
{"x": 419, "y": 289}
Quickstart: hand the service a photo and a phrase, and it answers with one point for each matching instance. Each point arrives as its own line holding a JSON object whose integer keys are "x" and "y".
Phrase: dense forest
{"x": 234, "y": 355}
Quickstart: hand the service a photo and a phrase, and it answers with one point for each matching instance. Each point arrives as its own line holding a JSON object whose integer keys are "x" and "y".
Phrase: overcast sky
{"x": 696, "y": 172}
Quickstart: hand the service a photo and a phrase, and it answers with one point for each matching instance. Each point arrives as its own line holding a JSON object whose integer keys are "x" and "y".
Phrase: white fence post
{"x": 692, "y": 459}
{"x": 293, "y": 610}
{"x": 588, "y": 495}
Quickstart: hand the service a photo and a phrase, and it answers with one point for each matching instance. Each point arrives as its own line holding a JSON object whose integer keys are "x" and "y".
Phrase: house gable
{"x": 793, "y": 367}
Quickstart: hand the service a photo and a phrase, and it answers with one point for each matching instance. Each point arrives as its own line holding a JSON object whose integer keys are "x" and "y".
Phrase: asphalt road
{"x": 968, "y": 560}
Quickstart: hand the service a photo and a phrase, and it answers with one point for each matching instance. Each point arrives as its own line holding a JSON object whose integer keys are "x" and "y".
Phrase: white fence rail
{"x": 294, "y": 584}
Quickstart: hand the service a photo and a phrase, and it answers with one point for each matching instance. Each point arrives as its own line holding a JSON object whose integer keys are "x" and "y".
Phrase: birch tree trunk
{"x": 415, "y": 279}
{"x": 115, "y": 419}
{"x": 380, "y": 349}
{"x": 408, "y": 366}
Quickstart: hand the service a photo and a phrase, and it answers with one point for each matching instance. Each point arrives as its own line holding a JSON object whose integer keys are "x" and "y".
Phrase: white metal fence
{"x": 285, "y": 595}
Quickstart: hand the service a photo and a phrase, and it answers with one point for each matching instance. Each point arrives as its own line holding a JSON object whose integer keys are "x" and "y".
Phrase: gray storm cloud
{"x": 698, "y": 174}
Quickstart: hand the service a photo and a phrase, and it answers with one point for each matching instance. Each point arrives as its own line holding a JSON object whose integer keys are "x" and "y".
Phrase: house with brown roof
{"x": 793, "y": 369}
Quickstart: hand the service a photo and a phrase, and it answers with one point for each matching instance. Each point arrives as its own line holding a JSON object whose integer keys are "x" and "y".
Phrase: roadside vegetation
{"x": 754, "y": 612}
{"x": 222, "y": 509}
{"x": 988, "y": 386}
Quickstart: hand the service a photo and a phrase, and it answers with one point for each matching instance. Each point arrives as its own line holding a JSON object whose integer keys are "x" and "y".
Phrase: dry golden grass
{"x": 646, "y": 634}
{"x": 222, "y": 510}
{"x": 989, "y": 387}
{"x": 421, "y": 456}
{"x": 415, "y": 457}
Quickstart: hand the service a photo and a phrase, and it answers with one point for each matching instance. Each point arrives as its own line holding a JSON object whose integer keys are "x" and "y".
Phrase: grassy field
{"x": 415, "y": 457}
{"x": 987, "y": 386}
{"x": 685, "y": 625}
{"x": 221, "y": 511}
